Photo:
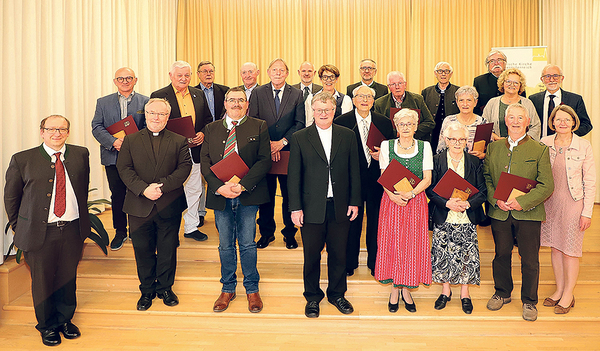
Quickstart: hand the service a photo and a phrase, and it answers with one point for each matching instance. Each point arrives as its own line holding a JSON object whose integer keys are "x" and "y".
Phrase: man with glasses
{"x": 282, "y": 107}
{"x": 554, "y": 95}
{"x": 109, "y": 110}
{"x": 361, "y": 120}
{"x": 400, "y": 98}
{"x": 154, "y": 163}
{"x": 235, "y": 203}
{"x": 249, "y": 73}
{"x": 214, "y": 93}
{"x": 189, "y": 101}
{"x": 367, "y": 69}
{"x": 440, "y": 99}
{"x": 45, "y": 196}
{"x": 306, "y": 85}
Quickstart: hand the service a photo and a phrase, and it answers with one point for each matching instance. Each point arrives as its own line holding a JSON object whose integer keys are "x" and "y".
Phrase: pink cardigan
{"x": 581, "y": 171}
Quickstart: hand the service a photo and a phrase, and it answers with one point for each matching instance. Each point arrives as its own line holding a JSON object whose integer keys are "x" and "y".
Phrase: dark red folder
{"x": 483, "y": 133}
{"x": 281, "y": 166}
{"x": 394, "y": 173}
{"x": 230, "y": 166}
{"x": 126, "y": 125}
{"x": 508, "y": 182}
{"x": 374, "y": 138}
{"x": 450, "y": 181}
{"x": 182, "y": 126}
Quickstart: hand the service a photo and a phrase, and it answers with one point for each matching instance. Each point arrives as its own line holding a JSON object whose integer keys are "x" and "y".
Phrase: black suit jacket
{"x": 291, "y": 111}
{"x": 253, "y": 147}
{"x": 308, "y": 174}
{"x": 473, "y": 175}
{"x": 28, "y": 193}
{"x": 570, "y": 99}
{"x": 487, "y": 87}
{"x": 203, "y": 116}
{"x": 380, "y": 89}
{"x": 219, "y": 91}
{"x": 315, "y": 88}
{"x": 368, "y": 174}
{"x": 139, "y": 168}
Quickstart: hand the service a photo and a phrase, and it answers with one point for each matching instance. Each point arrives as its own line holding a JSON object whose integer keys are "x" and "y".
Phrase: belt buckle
{"x": 61, "y": 223}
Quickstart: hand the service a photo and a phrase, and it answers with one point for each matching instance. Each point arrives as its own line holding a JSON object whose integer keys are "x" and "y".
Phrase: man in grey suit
{"x": 368, "y": 69}
{"x": 554, "y": 95}
{"x": 306, "y": 85}
{"x": 45, "y": 197}
{"x": 282, "y": 107}
{"x": 109, "y": 110}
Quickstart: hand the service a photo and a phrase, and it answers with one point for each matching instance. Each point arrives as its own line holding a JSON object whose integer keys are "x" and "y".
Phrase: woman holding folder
{"x": 569, "y": 209}
{"x": 455, "y": 249}
{"x": 403, "y": 254}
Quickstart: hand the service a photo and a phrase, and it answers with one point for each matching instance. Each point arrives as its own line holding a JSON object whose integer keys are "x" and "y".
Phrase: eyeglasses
{"x": 236, "y": 101}
{"x": 367, "y": 69}
{"x": 565, "y": 121}
{"x": 124, "y": 79}
{"x": 443, "y": 71}
{"x": 328, "y": 78}
{"x": 496, "y": 61}
{"x": 396, "y": 85}
{"x": 551, "y": 76}
{"x": 512, "y": 82}
{"x": 323, "y": 111}
{"x": 161, "y": 114}
{"x": 207, "y": 71}
{"x": 364, "y": 96}
{"x": 456, "y": 141}
{"x": 404, "y": 125}
{"x": 59, "y": 130}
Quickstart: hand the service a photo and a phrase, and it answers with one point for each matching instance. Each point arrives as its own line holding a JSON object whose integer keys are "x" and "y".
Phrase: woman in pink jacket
{"x": 569, "y": 209}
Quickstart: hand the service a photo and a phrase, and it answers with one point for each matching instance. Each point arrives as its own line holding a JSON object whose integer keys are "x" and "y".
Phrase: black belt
{"x": 60, "y": 223}
{"x": 329, "y": 199}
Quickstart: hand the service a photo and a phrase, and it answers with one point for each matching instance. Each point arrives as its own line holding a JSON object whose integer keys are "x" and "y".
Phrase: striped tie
{"x": 230, "y": 144}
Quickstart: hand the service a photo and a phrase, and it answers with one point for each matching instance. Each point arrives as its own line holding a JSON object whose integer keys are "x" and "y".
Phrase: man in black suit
{"x": 236, "y": 204}
{"x": 284, "y": 116}
{"x": 214, "y": 93}
{"x": 324, "y": 188}
{"x": 189, "y": 101}
{"x": 306, "y": 85}
{"x": 545, "y": 101}
{"x": 361, "y": 120}
{"x": 368, "y": 69}
{"x": 154, "y": 163}
{"x": 249, "y": 73}
{"x": 45, "y": 197}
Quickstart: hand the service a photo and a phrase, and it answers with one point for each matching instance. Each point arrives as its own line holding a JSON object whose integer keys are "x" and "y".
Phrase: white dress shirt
{"x": 326, "y": 136}
{"x": 71, "y": 209}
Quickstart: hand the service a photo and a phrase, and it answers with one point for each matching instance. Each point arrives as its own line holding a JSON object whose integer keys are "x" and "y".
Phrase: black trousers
{"x": 155, "y": 241}
{"x": 372, "y": 206}
{"x": 117, "y": 197}
{"x": 266, "y": 211}
{"x": 53, "y": 275}
{"x": 527, "y": 234}
{"x": 314, "y": 238}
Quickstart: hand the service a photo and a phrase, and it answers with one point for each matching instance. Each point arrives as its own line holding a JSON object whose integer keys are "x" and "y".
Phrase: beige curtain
{"x": 59, "y": 56}
{"x": 571, "y": 31}
{"x": 406, "y": 35}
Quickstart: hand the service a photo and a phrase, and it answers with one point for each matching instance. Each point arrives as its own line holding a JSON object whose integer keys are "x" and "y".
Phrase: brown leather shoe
{"x": 255, "y": 303}
{"x": 223, "y": 301}
{"x": 548, "y": 302}
{"x": 558, "y": 309}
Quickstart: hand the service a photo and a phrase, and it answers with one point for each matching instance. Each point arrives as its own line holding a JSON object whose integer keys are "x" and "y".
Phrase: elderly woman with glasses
{"x": 403, "y": 253}
{"x": 569, "y": 208}
{"x": 454, "y": 248}
{"x": 511, "y": 83}
{"x": 329, "y": 75}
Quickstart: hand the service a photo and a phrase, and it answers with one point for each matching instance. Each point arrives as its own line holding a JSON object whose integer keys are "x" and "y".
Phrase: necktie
{"x": 230, "y": 143}
{"x": 306, "y": 93}
{"x": 550, "y": 109}
{"x": 277, "y": 101}
{"x": 365, "y": 137}
{"x": 60, "y": 197}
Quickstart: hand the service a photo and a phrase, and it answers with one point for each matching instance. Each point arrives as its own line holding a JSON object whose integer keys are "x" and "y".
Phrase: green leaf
{"x": 98, "y": 240}
{"x": 97, "y": 225}
{"x": 19, "y": 253}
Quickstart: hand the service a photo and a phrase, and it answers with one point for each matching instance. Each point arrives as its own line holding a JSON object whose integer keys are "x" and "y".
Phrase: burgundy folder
{"x": 394, "y": 173}
{"x": 281, "y": 166}
{"x": 182, "y": 126}
{"x": 374, "y": 138}
{"x": 126, "y": 125}
{"x": 483, "y": 133}
{"x": 450, "y": 181}
{"x": 508, "y": 182}
{"x": 230, "y": 166}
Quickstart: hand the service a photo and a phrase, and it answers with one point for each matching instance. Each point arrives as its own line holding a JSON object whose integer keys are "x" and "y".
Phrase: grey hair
{"x": 394, "y": 73}
{"x": 494, "y": 52}
{"x": 180, "y": 64}
{"x": 406, "y": 112}
{"x": 440, "y": 64}
{"x": 367, "y": 60}
{"x": 323, "y": 96}
{"x": 550, "y": 66}
{"x": 466, "y": 89}
{"x": 514, "y": 106}
{"x": 371, "y": 90}
{"x": 254, "y": 66}
{"x": 455, "y": 126}
{"x": 153, "y": 100}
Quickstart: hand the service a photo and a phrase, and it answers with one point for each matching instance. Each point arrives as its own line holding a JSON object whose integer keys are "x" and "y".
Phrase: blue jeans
{"x": 237, "y": 222}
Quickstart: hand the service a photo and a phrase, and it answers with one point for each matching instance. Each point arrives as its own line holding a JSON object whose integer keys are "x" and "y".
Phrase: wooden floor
{"x": 108, "y": 291}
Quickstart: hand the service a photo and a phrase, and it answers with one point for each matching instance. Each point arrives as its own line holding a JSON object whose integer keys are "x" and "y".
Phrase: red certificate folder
{"x": 450, "y": 182}
{"x": 123, "y": 127}
{"x": 182, "y": 126}
{"x": 394, "y": 110}
{"x": 231, "y": 168}
{"x": 396, "y": 176}
{"x": 510, "y": 183}
{"x": 483, "y": 134}
{"x": 374, "y": 138}
{"x": 281, "y": 166}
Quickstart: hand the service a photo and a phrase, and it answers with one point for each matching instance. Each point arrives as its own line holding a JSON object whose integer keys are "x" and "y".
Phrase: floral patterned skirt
{"x": 455, "y": 254}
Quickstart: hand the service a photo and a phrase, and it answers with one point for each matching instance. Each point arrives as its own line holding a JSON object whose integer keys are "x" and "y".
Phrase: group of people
{"x": 158, "y": 177}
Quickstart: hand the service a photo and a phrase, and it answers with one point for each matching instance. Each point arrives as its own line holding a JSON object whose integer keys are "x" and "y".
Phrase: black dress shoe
{"x": 372, "y": 272}
{"x": 201, "y": 221}
{"x": 196, "y": 235}
{"x": 441, "y": 301}
{"x": 342, "y": 305}
{"x": 50, "y": 337}
{"x": 290, "y": 242}
{"x": 69, "y": 330}
{"x": 169, "y": 298}
{"x": 350, "y": 273}
{"x": 392, "y": 307}
{"x": 410, "y": 307}
{"x": 312, "y": 309}
{"x": 145, "y": 301}
{"x": 467, "y": 306}
{"x": 264, "y": 241}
